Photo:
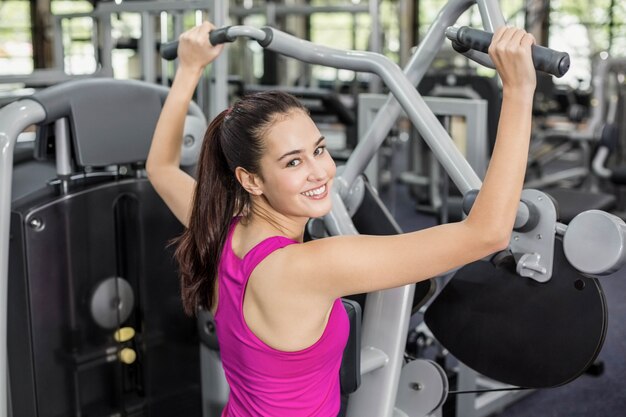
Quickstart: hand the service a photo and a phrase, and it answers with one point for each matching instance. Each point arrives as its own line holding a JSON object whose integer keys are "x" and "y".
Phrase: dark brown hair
{"x": 233, "y": 139}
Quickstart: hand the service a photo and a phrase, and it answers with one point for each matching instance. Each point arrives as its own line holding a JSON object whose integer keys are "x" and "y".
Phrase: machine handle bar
{"x": 545, "y": 59}
{"x": 169, "y": 51}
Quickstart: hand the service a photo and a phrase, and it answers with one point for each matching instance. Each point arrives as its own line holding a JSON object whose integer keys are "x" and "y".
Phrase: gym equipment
{"x": 609, "y": 98}
{"x": 573, "y": 187}
{"x": 93, "y": 317}
{"x": 532, "y": 246}
{"x": 432, "y": 192}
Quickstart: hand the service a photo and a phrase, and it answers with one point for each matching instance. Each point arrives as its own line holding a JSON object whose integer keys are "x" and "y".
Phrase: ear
{"x": 250, "y": 182}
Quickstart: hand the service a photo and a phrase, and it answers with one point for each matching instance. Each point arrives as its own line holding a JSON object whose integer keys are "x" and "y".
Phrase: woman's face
{"x": 296, "y": 167}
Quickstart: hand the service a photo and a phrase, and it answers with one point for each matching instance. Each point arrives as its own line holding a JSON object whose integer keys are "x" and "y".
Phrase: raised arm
{"x": 344, "y": 265}
{"x": 163, "y": 164}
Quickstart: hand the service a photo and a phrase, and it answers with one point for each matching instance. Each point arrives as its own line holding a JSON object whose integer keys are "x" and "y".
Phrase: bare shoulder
{"x": 277, "y": 303}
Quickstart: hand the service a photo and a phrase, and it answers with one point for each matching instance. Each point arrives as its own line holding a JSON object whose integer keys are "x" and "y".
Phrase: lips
{"x": 316, "y": 193}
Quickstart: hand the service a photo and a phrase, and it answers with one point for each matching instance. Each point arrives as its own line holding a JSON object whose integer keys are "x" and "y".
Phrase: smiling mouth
{"x": 317, "y": 193}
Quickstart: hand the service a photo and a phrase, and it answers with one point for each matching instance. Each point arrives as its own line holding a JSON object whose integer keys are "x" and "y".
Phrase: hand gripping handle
{"x": 545, "y": 59}
{"x": 169, "y": 51}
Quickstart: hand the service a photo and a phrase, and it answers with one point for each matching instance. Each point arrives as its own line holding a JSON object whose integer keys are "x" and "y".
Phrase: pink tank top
{"x": 266, "y": 382}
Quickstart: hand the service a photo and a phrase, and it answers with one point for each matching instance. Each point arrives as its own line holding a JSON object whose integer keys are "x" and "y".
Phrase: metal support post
{"x": 147, "y": 48}
{"x": 218, "y": 84}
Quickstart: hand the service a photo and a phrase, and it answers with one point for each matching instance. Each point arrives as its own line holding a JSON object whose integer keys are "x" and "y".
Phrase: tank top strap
{"x": 262, "y": 250}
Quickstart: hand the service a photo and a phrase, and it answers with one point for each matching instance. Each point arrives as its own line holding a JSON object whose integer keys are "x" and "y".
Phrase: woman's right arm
{"x": 172, "y": 184}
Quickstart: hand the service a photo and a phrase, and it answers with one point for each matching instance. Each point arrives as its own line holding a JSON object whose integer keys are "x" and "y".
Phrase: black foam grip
{"x": 545, "y": 59}
{"x": 169, "y": 51}
{"x": 220, "y": 35}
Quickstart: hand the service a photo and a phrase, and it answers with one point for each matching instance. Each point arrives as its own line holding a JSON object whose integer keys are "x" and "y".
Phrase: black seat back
{"x": 94, "y": 258}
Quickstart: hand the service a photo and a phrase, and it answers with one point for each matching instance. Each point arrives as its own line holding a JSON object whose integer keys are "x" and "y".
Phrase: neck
{"x": 263, "y": 217}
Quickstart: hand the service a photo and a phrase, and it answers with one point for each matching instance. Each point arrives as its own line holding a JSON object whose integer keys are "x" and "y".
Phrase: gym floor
{"x": 588, "y": 396}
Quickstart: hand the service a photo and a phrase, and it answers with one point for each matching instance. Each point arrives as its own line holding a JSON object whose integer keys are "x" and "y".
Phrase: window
{"x": 16, "y": 51}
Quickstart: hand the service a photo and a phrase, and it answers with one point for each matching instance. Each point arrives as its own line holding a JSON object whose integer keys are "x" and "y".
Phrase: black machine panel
{"x": 519, "y": 331}
{"x": 82, "y": 266}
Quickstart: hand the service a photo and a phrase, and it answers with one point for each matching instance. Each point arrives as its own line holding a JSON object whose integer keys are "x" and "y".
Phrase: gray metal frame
{"x": 483, "y": 404}
{"x": 474, "y": 112}
{"x": 14, "y": 118}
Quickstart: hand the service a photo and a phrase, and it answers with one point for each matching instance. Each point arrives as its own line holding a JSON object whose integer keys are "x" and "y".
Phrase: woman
{"x": 263, "y": 172}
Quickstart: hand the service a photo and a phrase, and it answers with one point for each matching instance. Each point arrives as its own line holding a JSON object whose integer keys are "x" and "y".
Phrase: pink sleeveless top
{"x": 266, "y": 382}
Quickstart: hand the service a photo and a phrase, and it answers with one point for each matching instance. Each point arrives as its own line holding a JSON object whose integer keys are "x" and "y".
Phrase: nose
{"x": 318, "y": 171}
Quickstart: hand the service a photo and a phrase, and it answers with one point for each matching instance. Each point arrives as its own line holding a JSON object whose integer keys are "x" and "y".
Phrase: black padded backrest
{"x": 350, "y": 371}
{"x": 112, "y": 121}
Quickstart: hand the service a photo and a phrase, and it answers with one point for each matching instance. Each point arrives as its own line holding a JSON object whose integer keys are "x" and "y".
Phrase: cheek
{"x": 287, "y": 182}
{"x": 329, "y": 166}
{"x": 332, "y": 168}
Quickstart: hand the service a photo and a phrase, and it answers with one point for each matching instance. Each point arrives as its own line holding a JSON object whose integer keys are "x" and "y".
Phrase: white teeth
{"x": 315, "y": 192}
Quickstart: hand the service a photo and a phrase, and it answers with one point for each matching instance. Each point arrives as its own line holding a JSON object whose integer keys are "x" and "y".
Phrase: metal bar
{"x": 106, "y": 40}
{"x": 375, "y": 41}
{"x": 146, "y": 48}
{"x": 466, "y": 381}
{"x": 178, "y": 29}
{"x": 552, "y": 179}
{"x": 372, "y": 359}
{"x": 219, "y": 69}
{"x": 414, "y": 71}
{"x": 385, "y": 327}
{"x": 480, "y": 58}
{"x": 338, "y": 221}
{"x": 150, "y": 6}
{"x": 14, "y": 118}
{"x": 47, "y": 77}
{"x": 283, "y": 9}
{"x": 57, "y": 45}
{"x": 163, "y": 29}
{"x": 63, "y": 152}
{"x": 491, "y": 14}
{"x": 475, "y": 114}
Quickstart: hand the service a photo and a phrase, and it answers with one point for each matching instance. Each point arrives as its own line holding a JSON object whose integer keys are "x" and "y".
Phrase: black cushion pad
{"x": 572, "y": 202}
{"x": 518, "y": 331}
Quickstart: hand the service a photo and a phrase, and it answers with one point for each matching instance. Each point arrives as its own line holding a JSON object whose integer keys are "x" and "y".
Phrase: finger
{"x": 497, "y": 39}
{"x": 529, "y": 39}
{"x": 506, "y": 37}
{"x": 517, "y": 37}
{"x": 201, "y": 33}
{"x": 498, "y": 34}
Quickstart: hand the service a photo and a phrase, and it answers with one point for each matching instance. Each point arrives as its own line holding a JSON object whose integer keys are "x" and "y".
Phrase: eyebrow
{"x": 299, "y": 151}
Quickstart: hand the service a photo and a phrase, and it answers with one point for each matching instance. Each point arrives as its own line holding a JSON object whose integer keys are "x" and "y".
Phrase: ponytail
{"x": 218, "y": 197}
{"x": 233, "y": 139}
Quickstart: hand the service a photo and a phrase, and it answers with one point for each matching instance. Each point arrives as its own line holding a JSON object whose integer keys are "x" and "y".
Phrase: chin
{"x": 320, "y": 212}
